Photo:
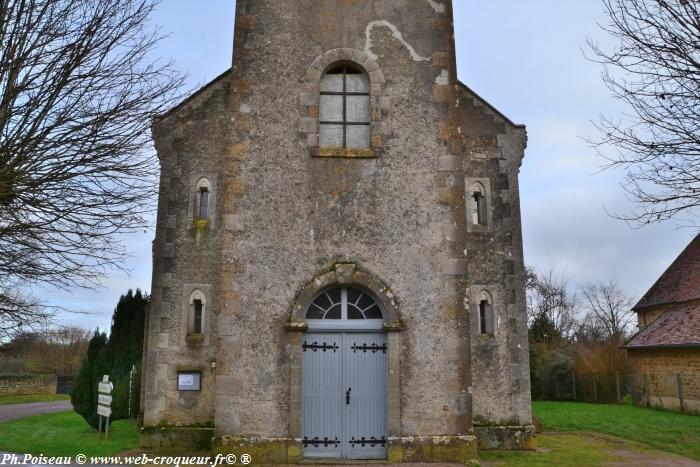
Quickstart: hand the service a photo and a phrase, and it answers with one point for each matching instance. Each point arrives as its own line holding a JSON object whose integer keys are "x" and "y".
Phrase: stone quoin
{"x": 338, "y": 268}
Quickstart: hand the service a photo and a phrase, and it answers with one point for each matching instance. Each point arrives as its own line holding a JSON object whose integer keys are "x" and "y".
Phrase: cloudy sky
{"x": 526, "y": 58}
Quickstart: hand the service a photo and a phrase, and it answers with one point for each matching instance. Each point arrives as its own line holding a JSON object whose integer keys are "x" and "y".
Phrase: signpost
{"x": 104, "y": 402}
{"x": 132, "y": 376}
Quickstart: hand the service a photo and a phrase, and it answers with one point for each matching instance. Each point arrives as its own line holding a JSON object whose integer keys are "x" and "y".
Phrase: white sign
{"x": 185, "y": 380}
{"x": 104, "y": 411}
{"x": 105, "y": 387}
{"x": 189, "y": 381}
{"x": 104, "y": 399}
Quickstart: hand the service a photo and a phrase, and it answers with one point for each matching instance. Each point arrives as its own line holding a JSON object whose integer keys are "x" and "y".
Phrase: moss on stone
{"x": 186, "y": 437}
{"x": 195, "y": 339}
{"x": 352, "y": 153}
{"x": 513, "y": 438}
{"x": 395, "y": 454}
{"x": 261, "y": 450}
{"x": 201, "y": 225}
{"x": 433, "y": 449}
{"x": 479, "y": 420}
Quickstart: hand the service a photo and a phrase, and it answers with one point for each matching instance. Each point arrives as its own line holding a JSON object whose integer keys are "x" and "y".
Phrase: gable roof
{"x": 489, "y": 105}
{"x": 679, "y": 283}
{"x": 194, "y": 95}
{"x": 679, "y": 326}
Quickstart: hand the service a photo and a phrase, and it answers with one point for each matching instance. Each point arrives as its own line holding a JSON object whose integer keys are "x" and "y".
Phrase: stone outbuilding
{"x": 665, "y": 353}
{"x": 338, "y": 266}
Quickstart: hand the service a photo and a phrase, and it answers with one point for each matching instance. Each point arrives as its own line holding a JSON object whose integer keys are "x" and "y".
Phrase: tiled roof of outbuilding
{"x": 679, "y": 326}
{"x": 679, "y": 283}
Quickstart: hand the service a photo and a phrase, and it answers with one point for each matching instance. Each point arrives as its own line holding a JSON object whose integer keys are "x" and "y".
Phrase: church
{"x": 338, "y": 264}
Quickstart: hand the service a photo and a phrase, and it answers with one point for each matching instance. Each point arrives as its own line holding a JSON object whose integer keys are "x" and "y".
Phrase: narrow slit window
{"x": 478, "y": 205}
{"x": 479, "y": 212}
{"x": 195, "y": 315}
{"x": 203, "y": 211}
{"x": 197, "y": 318}
{"x": 486, "y": 318}
{"x": 478, "y": 201}
{"x": 344, "y": 108}
{"x": 482, "y": 316}
{"x": 202, "y": 199}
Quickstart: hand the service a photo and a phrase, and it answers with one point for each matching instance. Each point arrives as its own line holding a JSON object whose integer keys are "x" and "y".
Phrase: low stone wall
{"x": 27, "y": 384}
{"x": 409, "y": 449}
{"x": 505, "y": 438}
{"x": 166, "y": 438}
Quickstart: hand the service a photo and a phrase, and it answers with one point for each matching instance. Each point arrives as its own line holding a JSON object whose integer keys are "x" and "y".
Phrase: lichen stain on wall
{"x": 438, "y": 7}
{"x": 397, "y": 35}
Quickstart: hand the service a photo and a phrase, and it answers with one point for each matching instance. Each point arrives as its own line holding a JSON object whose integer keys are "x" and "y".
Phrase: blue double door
{"x": 344, "y": 395}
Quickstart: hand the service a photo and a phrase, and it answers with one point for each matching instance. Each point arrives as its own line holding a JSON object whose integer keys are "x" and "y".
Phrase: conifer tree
{"x": 114, "y": 356}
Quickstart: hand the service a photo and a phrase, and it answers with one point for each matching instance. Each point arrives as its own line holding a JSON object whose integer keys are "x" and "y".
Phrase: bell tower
{"x": 357, "y": 289}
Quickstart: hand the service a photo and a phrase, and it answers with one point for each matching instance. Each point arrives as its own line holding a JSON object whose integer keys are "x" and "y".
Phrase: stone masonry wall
{"x": 302, "y": 214}
{"x": 27, "y": 384}
{"x": 660, "y": 366}
{"x": 492, "y": 150}
{"x": 191, "y": 142}
{"x": 285, "y": 216}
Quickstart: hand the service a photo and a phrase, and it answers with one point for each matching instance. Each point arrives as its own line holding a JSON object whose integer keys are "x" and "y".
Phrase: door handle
{"x": 347, "y": 396}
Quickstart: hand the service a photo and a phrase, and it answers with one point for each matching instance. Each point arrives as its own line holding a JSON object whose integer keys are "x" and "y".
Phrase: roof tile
{"x": 679, "y": 283}
{"x": 678, "y": 326}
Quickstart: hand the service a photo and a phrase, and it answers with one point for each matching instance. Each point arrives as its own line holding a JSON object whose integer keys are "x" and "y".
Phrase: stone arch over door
{"x": 345, "y": 274}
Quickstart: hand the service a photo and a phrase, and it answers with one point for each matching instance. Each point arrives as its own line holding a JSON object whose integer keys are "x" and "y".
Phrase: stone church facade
{"x": 338, "y": 266}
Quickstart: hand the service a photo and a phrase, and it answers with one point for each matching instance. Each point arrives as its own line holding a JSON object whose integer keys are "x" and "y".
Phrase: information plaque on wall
{"x": 189, "y": 381}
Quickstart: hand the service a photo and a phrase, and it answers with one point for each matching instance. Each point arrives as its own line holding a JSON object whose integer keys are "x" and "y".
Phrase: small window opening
{"x": 197, "y": 318}
{"x": 203, "y": 208}
{"x": 482, "y": 316}
{"x": 344, "y": 108}
{"x": 478, "y": 208}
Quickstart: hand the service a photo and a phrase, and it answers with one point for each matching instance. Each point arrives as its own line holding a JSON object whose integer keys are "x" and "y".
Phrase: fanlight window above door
{"x": 343, "y": 304}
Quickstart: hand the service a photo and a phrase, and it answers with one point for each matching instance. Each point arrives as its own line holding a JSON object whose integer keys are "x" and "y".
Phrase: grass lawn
{"x": 27, "y": 398}
{"x": 658, "y": 429}
{"x": 65, "y": 434}
{"x": 557, "y": 450}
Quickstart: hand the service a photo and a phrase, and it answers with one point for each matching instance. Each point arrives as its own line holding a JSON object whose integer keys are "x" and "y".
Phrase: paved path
{"x": 12, "y": 411}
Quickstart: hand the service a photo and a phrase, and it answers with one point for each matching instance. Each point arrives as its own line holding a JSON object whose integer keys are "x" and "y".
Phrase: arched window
{"x": 344, "y": 108}
{"x": 345, "y": 307}
{"x": 478, "y": 204}
{"x": 195, "y": 323}
{"x": 485, "y": 314}
{"x": 203, "y": 190}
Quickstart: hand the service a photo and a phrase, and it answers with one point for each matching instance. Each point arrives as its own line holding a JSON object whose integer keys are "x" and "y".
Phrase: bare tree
{"x": 77, "y": 95}
{"x": 655, "y": 70}
{"x": 59, "y": 351}
{"x": 609, "y": 308}
{"x": 548, "y": 296}
{"x": 20, "y": 312}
